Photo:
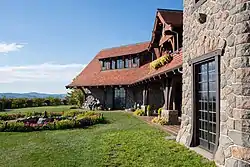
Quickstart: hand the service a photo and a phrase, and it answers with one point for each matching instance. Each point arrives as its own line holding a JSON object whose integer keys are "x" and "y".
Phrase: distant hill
{"x": 31, "y": 95}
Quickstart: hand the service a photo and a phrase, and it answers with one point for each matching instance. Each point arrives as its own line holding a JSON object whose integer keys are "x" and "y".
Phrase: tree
{"x": 76, "y": 97}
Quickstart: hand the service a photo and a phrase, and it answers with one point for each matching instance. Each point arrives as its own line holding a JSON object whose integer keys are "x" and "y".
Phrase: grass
{"x": 125, "y": 141}
{"x": 40, "y": 109}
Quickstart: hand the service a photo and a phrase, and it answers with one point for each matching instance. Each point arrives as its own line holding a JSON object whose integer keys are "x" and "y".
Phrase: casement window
{"x": 120, "y": 63}
{"x": 113, "y": 64}
{"x": 135, "y": 61}
{"x": 205, "y": 100}
{"x": 103, "y": 64}
{"x": 119, "y": 98}
{"x": 108, "y": 65}
{"x": 126, "y": 63}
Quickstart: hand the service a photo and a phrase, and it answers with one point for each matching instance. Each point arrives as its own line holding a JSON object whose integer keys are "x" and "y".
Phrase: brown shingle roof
{"x": 123, "y": 50}
{"x": 174, "y": 17}
{"x": 93, "y": 76}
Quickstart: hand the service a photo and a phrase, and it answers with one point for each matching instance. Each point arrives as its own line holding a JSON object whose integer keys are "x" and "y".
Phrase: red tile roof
{"x": 93, "y": 76}
{"x": 123, "y": 50}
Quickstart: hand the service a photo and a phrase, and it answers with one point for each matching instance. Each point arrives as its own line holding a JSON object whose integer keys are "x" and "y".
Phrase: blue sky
{"x": 45, "y": 43}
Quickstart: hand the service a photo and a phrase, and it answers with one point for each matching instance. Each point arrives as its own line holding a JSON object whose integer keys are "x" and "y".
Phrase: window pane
{"x": 126, "y": 63}
{"x": 113, "y": 64}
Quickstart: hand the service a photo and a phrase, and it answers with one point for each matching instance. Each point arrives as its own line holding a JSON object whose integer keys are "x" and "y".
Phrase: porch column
{"x": 145, "y": 99}
{"x": 145, "y": 96}
{"x": 168, "y": 110}
{"x": 166, "y": 92}
{"x": 104, "y": 98}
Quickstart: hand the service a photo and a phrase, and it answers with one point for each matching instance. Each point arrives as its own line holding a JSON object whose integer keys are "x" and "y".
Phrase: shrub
{"x": 159, "y": 111}
{"x": 6, "y": 117}
{"x": 29, "y": 114}
{"x": 161, "y": 121}
{"x": 2, "y": 126}
{"x": 83, "y": 119}
{"x": 161, "y": 61}
{"x": 65, "y": 124}
{"x": 55, "y": 114}
{"x": 139, "y": 112}
{"x": 72, "y": 113}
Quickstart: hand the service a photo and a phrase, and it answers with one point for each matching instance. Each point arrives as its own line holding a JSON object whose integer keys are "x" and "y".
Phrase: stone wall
{"x": 227, "y": 27}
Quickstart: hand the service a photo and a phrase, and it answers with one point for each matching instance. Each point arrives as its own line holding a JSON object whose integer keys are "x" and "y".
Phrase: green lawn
{"x": 41, "y": 109}
{"x": 125, "y": 141}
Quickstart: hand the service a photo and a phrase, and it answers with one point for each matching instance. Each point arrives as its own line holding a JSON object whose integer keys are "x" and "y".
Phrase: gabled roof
{"x": 93, "y": 76}
{"x": 123, "y": 50}
{"x": 173, "y": 17}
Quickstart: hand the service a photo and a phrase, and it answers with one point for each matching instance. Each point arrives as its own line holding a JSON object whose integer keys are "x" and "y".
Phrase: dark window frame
{"x": 119, "y": 92}
{"x": 103, "y": 65}
{"x": 113, "y": 64}
{"x": 119, "y": 63}
{"x": 126, "y": 62}
{"x": 135, "y": 61}
{"x": 215, "y": 55}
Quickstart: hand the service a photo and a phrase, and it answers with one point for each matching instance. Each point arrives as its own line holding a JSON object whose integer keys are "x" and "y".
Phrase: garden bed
{"x": 37, "y": 121}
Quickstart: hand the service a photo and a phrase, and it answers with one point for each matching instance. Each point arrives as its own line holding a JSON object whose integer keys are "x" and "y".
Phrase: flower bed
{"x": 167, "y": 58}
{"x": 53, "y": 122}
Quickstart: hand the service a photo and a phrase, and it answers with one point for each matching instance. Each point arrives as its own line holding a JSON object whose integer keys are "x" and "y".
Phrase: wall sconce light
{"x": 202, "y": 18}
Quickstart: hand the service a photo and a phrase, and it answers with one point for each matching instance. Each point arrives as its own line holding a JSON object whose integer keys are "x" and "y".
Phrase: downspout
{"x": 177, "y": 41}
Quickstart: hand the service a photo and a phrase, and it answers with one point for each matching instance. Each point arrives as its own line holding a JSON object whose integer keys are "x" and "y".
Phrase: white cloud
{"x": 6, "y": 48}
{"x": 39, "y": 77}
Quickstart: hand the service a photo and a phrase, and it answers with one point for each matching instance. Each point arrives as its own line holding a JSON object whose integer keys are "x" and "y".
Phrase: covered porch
{"x": 163, "y": 90}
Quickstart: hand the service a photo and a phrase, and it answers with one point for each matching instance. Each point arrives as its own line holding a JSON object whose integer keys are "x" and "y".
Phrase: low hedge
{"x": 80, "y": 122}
{"x": 139, "y": 112}
{"x": 7, "y": 117}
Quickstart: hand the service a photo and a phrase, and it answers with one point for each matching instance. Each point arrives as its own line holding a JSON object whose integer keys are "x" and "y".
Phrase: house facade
{"x": 196, "y": 67}
{"x": 125, "y": 76}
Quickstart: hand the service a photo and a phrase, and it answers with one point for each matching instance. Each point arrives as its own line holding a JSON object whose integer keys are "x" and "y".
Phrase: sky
{"x": 44, "y": 44}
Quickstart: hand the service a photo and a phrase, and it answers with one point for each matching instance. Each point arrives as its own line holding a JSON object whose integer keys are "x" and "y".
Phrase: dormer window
{"x": 135, "y": 61}
{"x": 113, "y": 64}
{"x": 103, "y": 63}
{"x": 120, "y": 63}
{"x": 126, "y": 63}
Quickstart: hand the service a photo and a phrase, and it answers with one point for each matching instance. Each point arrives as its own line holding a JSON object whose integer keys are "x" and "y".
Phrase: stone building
{"x": 216, "y": 79}
{"x": 204, "y": 77}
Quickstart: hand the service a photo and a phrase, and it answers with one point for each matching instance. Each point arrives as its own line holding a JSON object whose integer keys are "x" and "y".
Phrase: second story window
{"x": 103, "y": 63}
{"x": 119, "y": 63}
{"x": 126, "y": 63}
{"x": 113, "y": 64}
{"x": 108, "y": 65}
{"x": 135, "y": 61}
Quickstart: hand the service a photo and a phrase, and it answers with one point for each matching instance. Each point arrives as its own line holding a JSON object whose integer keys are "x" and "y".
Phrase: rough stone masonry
{"x": 227, "y": 27}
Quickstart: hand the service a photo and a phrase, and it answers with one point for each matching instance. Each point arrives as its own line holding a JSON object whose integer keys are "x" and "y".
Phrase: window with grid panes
{"x": 205, "y": 80}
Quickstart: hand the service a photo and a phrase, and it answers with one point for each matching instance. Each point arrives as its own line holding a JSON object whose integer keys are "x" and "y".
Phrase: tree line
{"x": 75, "y": 97}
